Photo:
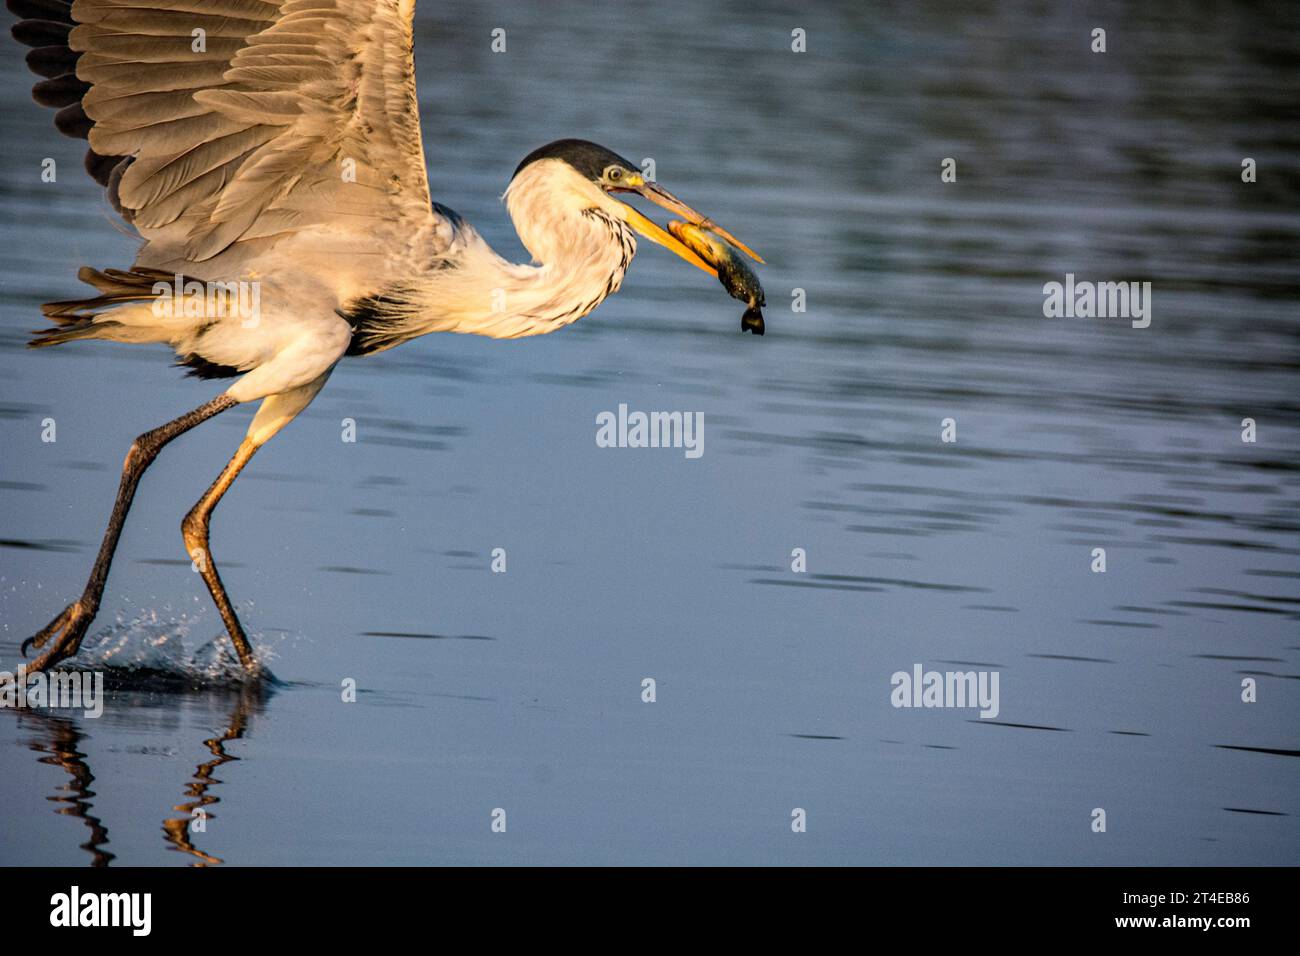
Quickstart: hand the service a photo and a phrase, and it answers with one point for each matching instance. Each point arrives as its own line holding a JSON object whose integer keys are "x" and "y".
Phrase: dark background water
{"x": 924, "y": 301}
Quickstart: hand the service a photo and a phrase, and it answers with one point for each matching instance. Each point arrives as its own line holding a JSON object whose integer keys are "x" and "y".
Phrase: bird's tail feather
{"x": 78, "y": 329}
{"x": 87, "y": 318}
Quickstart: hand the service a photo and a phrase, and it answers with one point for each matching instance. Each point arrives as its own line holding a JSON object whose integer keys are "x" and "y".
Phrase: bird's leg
{"x": 68, "y": 629}
{"x": 274, "y": 413}
{"x": 194, "y": 528}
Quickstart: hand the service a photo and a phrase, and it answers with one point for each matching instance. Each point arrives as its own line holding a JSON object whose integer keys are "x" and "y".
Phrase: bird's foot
{"x": 253, "y": 669}
{"x": 67, "y": 629}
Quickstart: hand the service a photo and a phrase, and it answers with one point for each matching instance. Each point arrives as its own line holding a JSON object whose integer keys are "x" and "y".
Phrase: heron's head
{"x": 574, "y": 175}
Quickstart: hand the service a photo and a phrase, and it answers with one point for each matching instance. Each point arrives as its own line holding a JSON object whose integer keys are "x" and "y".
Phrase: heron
{"x": 274, "y": 147}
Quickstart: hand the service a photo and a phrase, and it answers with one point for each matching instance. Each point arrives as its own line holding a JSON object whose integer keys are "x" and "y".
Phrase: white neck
{"x": 581, "y": 248}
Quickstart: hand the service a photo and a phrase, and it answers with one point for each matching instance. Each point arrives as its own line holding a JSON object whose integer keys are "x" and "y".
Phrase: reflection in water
{"x": 178, "y": 831}
{"x": 59, "y": 739}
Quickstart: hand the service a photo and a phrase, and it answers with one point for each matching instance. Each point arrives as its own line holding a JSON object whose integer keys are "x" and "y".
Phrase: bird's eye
{"x": 613, "y": 174}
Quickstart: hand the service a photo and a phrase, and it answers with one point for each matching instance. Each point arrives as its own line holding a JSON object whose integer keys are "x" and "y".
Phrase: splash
{"x": 157, "y": 650}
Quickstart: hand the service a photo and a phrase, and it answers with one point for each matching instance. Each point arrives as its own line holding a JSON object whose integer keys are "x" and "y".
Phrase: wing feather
{"x": 240, "y": 134}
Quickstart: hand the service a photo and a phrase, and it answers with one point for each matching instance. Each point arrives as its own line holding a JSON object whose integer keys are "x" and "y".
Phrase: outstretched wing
{"x": 223, "y": 127}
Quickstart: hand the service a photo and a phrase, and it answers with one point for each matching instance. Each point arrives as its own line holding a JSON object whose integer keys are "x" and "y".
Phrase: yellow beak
{"x": 651, "y": 230}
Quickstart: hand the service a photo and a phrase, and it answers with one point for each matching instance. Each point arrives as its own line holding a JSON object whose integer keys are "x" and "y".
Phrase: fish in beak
{"x": 652, "y": 231}
{"x": 733, "y": 272}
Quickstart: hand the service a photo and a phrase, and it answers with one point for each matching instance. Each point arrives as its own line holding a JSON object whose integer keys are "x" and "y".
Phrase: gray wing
{"x": 224, "y": 127}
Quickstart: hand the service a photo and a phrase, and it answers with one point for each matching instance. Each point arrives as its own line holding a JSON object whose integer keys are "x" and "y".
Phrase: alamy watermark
{"x": 192, "y": 299}
{"x": 651, "y": 430}
{"x": 133, "y": 911}
{"x": 922, "y": 688}
{"x": 59, "y": 690}
{"x": 1100, "y": 300}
